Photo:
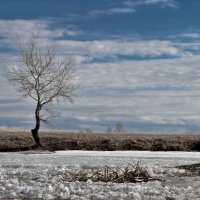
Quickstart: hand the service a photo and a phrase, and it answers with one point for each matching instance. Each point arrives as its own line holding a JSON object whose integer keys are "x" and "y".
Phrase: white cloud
{"x": 79, "y": 59}
{"x": 121, "y": 10}
{"x": 10, "y": 28}
{"x": 148, "y": 76}
{"x": 118, "y": 47}
{"x": 191, "y": 35}
{"x": 190, "y": 46}
{"x": 130, "y": 7}
{"x": 156, "y": 91}
{"x": 169, "y": 3}
{"x": 111, "y": 11}
{"x": 162, "y": 91}
{"x": 162, "y": 3}
{"x": 96, "y": 48}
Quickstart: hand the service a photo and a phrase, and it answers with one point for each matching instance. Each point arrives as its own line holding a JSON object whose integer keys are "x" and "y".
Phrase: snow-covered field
{"x": 40, "y": 176}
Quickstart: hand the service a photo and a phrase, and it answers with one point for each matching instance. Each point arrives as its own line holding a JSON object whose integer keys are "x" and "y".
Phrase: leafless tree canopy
{"x": 43, "y": 77}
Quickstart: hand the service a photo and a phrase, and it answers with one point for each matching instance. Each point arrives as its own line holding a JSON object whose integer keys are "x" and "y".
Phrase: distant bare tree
{"x": 109, "y": 130}
{"x": 119, "y": 128}
{"x": 88, "y": 130}
{"x": 44, "y": 78}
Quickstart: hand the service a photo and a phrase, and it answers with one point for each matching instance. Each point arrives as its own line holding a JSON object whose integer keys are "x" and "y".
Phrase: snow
{"x": 40, "y": 176}
{"x": 149, "y": 154}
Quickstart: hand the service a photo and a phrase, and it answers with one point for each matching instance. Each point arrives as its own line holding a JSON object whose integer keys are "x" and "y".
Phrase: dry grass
{"x": 128, "y": 174}
{"x": 191, "y": 170}
{"x": 18, "y": 141}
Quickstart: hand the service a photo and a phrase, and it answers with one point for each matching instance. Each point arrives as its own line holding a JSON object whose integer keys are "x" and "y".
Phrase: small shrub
{"x": 158, "y": 145}
{"x": 195, "y": 146}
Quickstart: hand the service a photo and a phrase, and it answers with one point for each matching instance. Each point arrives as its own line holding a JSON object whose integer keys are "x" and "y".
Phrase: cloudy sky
{"x": 138, "y": 62}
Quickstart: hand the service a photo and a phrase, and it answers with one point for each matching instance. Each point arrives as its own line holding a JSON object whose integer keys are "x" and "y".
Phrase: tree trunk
{"x": 37, "y": 127}
{"x": 36, "y": 135}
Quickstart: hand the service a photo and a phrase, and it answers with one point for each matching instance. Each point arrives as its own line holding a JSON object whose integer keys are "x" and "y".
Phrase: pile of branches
{"x": 128, "y": 174}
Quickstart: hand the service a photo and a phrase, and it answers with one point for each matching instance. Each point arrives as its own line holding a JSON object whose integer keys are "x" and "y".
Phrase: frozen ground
{"x": 40, "y": 176}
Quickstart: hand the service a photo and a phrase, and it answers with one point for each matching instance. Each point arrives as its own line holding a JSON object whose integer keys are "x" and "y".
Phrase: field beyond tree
{"x": 52, "y": 141}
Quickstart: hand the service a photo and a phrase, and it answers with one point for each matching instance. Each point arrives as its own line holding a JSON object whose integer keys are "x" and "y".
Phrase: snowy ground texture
{"x": 40, "y": 176}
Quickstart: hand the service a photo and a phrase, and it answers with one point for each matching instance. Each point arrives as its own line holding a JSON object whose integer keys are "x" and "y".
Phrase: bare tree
{"x": 44, "y": 78}
{"x": 109, "y": 130}
{"x": 88, "y": 130}
{"x": 119, "y": 128}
